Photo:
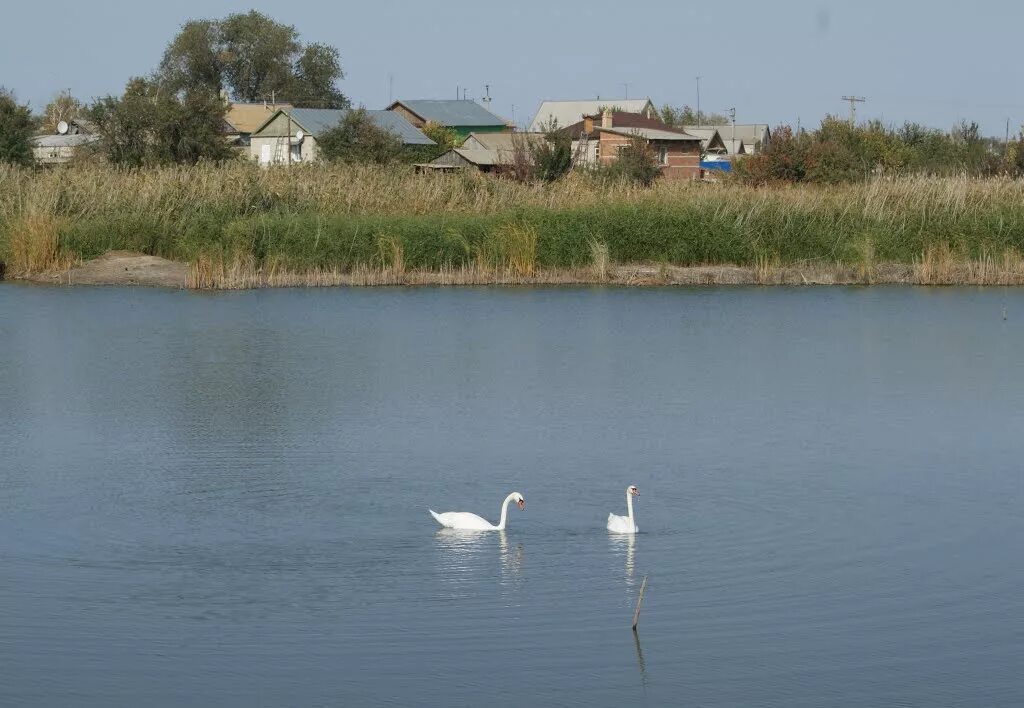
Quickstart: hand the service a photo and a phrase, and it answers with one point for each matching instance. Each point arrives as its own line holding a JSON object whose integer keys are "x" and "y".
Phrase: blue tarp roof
{"x": 722, "y": 165}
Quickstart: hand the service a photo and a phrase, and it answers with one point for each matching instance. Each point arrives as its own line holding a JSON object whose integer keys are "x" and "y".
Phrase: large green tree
{"x": 16, "y": 128}
{"x": 253, "y": 58}
{"x": 152, "y": 126}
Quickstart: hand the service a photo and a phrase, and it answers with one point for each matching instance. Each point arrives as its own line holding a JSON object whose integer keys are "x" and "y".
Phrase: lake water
{"x": 221, "y": 500}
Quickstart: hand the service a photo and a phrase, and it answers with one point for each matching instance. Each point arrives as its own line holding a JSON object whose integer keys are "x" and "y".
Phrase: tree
{"x": 444, "y": 138}
{"x": 63, "y": 107}
{"x": 552, "y": 156}
{"x": 150, "y": 126}
{"x": 684, "y": 115}
{"x": 357, "y": 139}
{"x": 16, "y": 128}
{"x": 254, "y": 58}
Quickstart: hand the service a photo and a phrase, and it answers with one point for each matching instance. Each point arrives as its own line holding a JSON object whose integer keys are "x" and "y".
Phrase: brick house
{"x": 597, "y": 140}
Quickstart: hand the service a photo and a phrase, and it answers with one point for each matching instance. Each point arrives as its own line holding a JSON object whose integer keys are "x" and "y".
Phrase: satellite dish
{"x": 299, "y": 135}
{"x": 63, "y": 127}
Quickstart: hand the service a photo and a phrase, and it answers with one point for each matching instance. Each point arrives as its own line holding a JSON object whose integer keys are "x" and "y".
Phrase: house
{"x": 566, "y": 113}
{"x": 59, "y": 148}
{"x": 289, "y": 136}
{"x": 711, "y": 142}
{"x": 483, "y": 152}
{"x": 463, "y": 117}
{"x": 754, "y": 136}
{"x": 599, "y": 139}
{"x": 243, "y": 119}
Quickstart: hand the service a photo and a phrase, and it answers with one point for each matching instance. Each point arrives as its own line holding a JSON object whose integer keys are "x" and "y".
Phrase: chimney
{"x": 588, "y": 124}
{"x": 606, "y": 118}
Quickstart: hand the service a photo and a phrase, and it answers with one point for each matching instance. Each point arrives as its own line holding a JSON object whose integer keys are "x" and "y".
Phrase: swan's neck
{"x": 504, "y": 513}
{"x": 629, "y": 506}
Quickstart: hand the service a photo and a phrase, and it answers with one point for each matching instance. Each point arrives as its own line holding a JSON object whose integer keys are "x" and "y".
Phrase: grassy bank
{"x": 241, "y": 226}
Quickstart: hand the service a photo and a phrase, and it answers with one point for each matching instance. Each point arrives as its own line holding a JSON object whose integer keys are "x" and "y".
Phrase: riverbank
{"x": 131, "y": 269}
{"x": 239, "y": 226}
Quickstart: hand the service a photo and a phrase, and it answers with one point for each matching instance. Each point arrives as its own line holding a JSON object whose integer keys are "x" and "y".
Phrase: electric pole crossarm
{"x": 854, "y": 100}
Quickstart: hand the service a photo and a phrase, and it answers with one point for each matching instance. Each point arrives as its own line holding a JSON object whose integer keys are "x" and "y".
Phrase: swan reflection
{"x": 625, "y": 545}
{"x": 465, "y": 556}
{"x": 511, "y": 560}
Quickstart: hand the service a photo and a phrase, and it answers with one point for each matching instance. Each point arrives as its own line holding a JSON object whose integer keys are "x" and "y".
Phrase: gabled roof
{"x": 451, "y": 113}
{"x": 569, "y": 112}
{"x": 248, "y": 117}
{"x": 749, "y": 133}
{"x": 626, "y": 121}
{"x": 651, "y": 134}
{"x": 503, "y": 141}
{"x": 315, "y": 121}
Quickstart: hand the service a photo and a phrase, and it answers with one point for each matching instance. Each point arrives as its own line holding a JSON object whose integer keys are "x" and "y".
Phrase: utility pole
{"x": 854, "y": 100}
{"x": 698, "y": 101}
{"x": 732, "y": 115}
{"x": 626, "y": 87}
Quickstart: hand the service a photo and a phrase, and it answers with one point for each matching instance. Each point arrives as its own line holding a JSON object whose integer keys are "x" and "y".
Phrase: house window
{"x": 662, "y": 155}
{"x": 597, "y": 152}
{"x": 297, "y": 152}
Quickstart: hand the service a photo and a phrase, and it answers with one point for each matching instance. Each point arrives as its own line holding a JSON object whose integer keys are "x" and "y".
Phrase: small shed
{"x": 59, "y": 148}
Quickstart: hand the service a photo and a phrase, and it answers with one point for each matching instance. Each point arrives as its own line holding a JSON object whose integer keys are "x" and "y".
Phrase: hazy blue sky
{"x": 934, "y": 62}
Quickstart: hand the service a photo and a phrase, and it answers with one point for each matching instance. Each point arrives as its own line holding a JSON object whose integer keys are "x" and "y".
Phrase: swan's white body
{"x": 465, "y": 521}
{"x": 624, "y": 524}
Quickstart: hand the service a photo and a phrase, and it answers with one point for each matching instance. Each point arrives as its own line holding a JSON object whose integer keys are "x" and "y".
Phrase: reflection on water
{"x": 624, "y": 545}
{"x": 640, "y": 660}
{"x": 511, "y": 561}
{"x": 466, "y": 557}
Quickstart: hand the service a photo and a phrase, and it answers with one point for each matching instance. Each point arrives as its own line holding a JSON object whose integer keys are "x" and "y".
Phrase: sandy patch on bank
{"x": 122, "y": 268}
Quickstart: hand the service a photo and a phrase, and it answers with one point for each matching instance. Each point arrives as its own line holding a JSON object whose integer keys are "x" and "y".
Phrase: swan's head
{"x": 634, "y": 491}
{"x": 518, "y": 499}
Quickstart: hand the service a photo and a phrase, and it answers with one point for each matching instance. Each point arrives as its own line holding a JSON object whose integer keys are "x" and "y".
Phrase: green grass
{"x": 336, "y": 218}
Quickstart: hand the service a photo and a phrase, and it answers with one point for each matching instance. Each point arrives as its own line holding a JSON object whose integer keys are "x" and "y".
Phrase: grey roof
{"x": 59, "y": 141}
{"x": 452, "y": 113}
{"x": 750, "y": 133}
{"x": 651, "y": 134}
{"x": 318, "y": 120}
{"x": 571, "y": 112}
{"x": 504, "y": 141}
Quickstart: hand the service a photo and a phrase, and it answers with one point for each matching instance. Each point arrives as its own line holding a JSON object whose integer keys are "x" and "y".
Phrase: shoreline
{"x": 120, "y": 268}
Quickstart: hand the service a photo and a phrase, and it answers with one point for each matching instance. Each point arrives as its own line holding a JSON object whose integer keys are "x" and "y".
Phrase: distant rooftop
{"x": 567, "y": 113}
{"x": 452, "y": 112}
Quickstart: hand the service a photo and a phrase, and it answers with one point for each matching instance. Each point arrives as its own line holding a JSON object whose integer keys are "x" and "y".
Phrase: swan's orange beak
{"x": 521, "y": 504}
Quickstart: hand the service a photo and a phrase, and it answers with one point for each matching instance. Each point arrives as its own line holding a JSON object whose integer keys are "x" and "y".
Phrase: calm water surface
{"x": 221, "y": 500}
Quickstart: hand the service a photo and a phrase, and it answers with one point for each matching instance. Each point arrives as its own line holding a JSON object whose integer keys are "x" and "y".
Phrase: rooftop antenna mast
{"x": 854, "y": 100}
{"x": 698, "y": 101}
{"x": 487, "y": 96}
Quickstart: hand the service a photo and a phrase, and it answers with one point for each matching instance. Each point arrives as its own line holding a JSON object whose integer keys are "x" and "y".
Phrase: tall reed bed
{"x": 242, "y": 225}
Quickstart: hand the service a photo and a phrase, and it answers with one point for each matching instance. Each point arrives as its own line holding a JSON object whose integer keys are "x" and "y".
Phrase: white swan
{"x": 464, "y": 521}
{"x": 625, "y": 524}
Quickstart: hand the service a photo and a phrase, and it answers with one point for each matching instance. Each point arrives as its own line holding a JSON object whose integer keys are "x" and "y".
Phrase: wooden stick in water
{"x": 639, "y": 603}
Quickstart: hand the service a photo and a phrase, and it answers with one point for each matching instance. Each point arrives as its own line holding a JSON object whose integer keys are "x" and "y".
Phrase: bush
{"x": 636, "y": 162}
{"x": 357, "y": 139}
{"x": 16, "y": 128}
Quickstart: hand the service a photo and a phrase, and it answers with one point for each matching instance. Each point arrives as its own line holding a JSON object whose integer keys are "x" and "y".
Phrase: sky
{"x": 776, "y": 62}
